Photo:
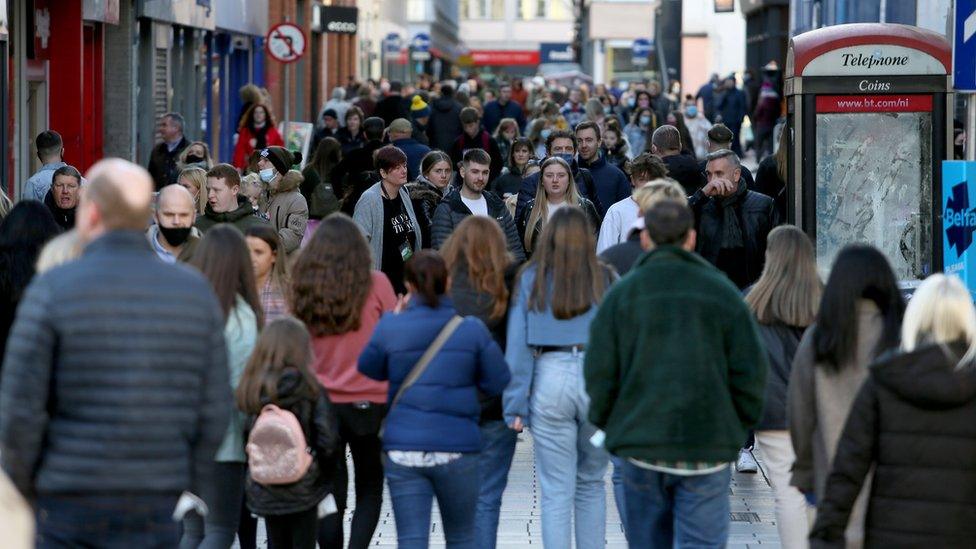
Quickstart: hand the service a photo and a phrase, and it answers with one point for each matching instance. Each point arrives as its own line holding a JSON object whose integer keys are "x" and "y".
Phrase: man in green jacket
{"x": 675, "y": 373}
{"x": 225, "y": 203}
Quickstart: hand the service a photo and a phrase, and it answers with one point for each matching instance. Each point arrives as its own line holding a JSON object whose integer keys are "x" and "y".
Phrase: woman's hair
{"x": 535, "y": 130}
{"x": 568, "y": 278}
{"x": 504, "y": 124}
{"x": 635, "y": 118}
{"x": 224, "y": 259}
{"x": 327, "y": 155}
{"x": 940, "y": 311}
{"x": 540, "y": 209}
{"x": 782, "y": 152}
{"x": 332, "y": 278}
{"x": 859, "y": 272}
{"x": 789, "y": 289}
{"x": 248, "y": 120}
{"x": 355, "y": 111}
{"x": 478, "y": 244}
{"x": 61, "y": 249}
{"x": 593, "y": 109}
{"x": 679, "y": 122}
{"x": 659, "y": 190}
{"x": 520, "y": 143}
{"x": 388, "y": 157}
{"x": 283, "y": 344}
{"x": 25, "y": 230}
{"x": 208, "y": 160}
{"x": 279, "y": 273}
{"x": 197, "y": 177}
{"x": 432, "y": 159}
{"x": 426, "y": 272}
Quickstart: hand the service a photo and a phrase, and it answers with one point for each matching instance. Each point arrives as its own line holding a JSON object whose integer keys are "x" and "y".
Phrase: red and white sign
{"x": 874, "y": 103}
{"x": 505, "y": 57}
{"x": 286, "y": 42}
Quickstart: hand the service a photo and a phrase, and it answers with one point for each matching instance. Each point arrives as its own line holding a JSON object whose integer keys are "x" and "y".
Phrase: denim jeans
{"x": 570, "y": 468}
{"x": 617, "y": 478}
{"x": 412, "y": 490}
{"x": 666, "y": 510}
{"x": 495, "y": 461}
{"x": 223, "y": 497}
{"x": 116, "y": 521}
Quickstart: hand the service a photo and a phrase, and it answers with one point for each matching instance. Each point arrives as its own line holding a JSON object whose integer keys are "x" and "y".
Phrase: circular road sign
{"x": 286, "y": 42}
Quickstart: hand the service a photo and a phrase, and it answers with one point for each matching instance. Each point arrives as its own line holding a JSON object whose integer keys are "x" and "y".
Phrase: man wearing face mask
{"x": 562, "y": 144}
{"x": 698, "y": 126}
{"x": 173, "y": 236}
{"x": 288, "y": 209}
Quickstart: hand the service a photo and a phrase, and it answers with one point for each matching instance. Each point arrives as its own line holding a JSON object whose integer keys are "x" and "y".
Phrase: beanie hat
{"x": 281, "y": 158}
{"x": 330, "y": 112}
{"x": 720, "y": 133}
{"x": 419, "y": 108}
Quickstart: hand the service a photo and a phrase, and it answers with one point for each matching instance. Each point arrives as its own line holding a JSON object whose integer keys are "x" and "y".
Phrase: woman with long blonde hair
{"x": 912, "y": 423}
{"x": 481, "y": 271}
{"x": 557, "y": 296}
{"x": 556, "y": 189}
{"x": 784, "y": 301}
{"x": 194, "y": 179}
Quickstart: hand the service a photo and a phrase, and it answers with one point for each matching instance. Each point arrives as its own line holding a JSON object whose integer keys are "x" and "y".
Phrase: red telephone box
{"x": 869, "y": 111}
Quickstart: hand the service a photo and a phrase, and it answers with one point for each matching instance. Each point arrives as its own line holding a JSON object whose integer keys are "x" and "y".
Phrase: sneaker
{"x": 746, "y": 462}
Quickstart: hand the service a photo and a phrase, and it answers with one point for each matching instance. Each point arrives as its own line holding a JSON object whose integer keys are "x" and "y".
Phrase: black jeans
{"x": 359, "y": 426}
{"x": 223, "y": 499}
{"x": 109, "y": 521}
{"x": 294, "y": 531}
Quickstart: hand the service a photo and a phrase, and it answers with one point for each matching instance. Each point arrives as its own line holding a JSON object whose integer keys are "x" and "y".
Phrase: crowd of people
{"x": 208, "y": 342}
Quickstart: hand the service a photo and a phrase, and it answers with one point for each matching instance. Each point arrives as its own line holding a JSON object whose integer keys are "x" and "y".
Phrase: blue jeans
{"x": 665, "y": 510}
{"x": 570, "y": 468}
{"x": 109, "y": 521}
{"x": 495, "y": 462}
{"x": 617, "y": 477}
{"x": 412, "y": 490}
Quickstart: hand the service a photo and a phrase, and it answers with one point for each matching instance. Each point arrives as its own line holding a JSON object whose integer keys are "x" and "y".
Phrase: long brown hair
{"x": 332, "y": 278}
{"x": 567, "y": 269}
{"x": 223, "y": 258}
{"x": 326, "y": 156}
{"x": 284, "y": 344}
{"x": 781, "y": 154}
{"x": 789, "y": 289}
{"x": 478, "y": 243}
{"x": 247, "y": 121}
{"x": 540, "y": 209}
{"x": 280, "y": 278}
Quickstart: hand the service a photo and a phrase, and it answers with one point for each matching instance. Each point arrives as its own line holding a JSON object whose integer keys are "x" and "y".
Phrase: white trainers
{"x": 746, "y": 462}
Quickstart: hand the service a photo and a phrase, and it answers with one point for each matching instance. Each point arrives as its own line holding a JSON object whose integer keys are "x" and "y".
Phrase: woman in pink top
{"x": 340, "y": 299}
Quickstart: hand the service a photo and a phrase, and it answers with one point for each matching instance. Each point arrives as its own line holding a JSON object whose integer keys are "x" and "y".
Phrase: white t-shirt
{"x": 552, "y": 209}
{"x": 478, "y": 206}
{"x": 617, "y": 224}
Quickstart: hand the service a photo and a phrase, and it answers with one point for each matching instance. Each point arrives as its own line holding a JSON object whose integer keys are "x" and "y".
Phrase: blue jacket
{"x": 528, "y": 329}
{"x": 438, "y": 413}
{"x": 495, "y": 111}
{"x": 611, "y": 184}
{"x": 415, "y": 151}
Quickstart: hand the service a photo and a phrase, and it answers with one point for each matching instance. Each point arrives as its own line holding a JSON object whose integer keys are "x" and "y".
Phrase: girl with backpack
{"x": 291, "y": 418}
{"x": 436, "y": 363}
{"x": 223, "y": 258}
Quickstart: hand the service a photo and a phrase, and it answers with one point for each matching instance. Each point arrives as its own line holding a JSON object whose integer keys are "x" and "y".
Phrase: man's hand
{"x": 517, "y": 425}
{"x": 719, "y": 187}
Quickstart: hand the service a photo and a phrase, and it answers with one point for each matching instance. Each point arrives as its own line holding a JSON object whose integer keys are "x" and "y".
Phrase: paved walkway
{"x": 753, "y": 519}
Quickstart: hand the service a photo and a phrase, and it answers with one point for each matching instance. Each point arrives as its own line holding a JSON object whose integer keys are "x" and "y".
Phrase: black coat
{"x": 624, "y": 255}
{"x": 355, "y": 173}
{"x": 392, "y": 107}
{"x": 913, "y": 421}
{"x": 163, "y": 164}
{"x": 769, "y": 184}
{"x": 780, "y": 342}
{"x": 349, "y": 141}
{"x": 482, "y": 141}
{"x": 444, "y": 126}
{"x": 115, "y": 379}
{"x": 321, "y": 430}
{"x": 522, "y": 222}
{"x": 64, "y": 218}
{"x": 425, "y": 198}
{"x": 452, "y": 211}
{"x": 757, "y": 216}
{"x": 683, "y": 169}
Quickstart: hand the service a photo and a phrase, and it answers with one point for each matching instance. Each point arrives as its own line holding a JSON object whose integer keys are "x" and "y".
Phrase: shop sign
{"x": 505, "y": 57}
{"x": 556, "y": 52}
{"x": 335, "y": 19}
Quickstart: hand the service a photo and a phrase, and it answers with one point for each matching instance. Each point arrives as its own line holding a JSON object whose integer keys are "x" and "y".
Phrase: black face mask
{"x": 176, "y": 236}
{"x": 193, "y": 159}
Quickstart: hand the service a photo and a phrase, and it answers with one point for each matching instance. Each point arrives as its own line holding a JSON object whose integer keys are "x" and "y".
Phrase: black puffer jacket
{"x": 913, "y": 421}
{"x": 452, "y": 211}
{"x": 425, "y": 198}
{"x": 780, "y": 342}
{"x": 318, "y": 421}
{"x": 445, "y": 123}
{"x": 757, "y": 216}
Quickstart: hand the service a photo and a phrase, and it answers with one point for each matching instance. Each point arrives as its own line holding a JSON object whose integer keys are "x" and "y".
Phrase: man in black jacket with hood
{"x": 445, "y": 123}
{"x": 472, "y": 199}
{"x": 666, "y": 143}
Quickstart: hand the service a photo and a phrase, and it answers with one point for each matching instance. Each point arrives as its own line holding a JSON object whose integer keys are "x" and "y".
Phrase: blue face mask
{"x": 691, "y": 111}
{"x": 645, "y": 120}
{"x": 267, "y": 174}
{"x": 545, "y": 133}
{"x": 565, "y": 156}
{"x": 631, "y": 101}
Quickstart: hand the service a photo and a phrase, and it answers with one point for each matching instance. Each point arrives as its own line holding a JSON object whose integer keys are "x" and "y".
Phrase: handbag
{"x": 422, "y": 364}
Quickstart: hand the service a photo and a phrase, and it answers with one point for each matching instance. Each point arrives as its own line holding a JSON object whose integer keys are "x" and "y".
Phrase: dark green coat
{"x": 675, "y": 369}
{"x": 243, "y": 217}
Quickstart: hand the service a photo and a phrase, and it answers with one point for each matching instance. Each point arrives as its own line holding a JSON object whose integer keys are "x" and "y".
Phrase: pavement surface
{"x": 753, "y": 519}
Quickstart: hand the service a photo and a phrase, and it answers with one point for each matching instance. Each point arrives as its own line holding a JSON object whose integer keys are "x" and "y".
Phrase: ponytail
{"x": 427, "y": 273}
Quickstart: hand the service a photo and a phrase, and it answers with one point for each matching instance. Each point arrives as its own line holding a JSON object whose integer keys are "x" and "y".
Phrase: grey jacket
{"x": 115, "y": 377}
{"x": 369, "y": 215}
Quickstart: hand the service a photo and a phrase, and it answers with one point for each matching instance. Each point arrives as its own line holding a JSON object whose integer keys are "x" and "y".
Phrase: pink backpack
{"x": 276, "y": 448}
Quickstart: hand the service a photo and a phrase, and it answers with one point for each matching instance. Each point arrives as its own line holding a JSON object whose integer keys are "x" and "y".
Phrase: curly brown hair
{"x": 478, "y": 244}
{"x": 332, "y": 278}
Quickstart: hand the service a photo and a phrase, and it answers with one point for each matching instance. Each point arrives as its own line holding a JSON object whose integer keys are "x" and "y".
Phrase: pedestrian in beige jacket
{"x": 860, "y": 317}
{"x": 287, "y": 208}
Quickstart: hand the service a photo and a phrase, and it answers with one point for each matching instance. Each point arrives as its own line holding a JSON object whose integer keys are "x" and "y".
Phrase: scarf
{"x": 260, "y": 136}
{"x": 731, "y": 228}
